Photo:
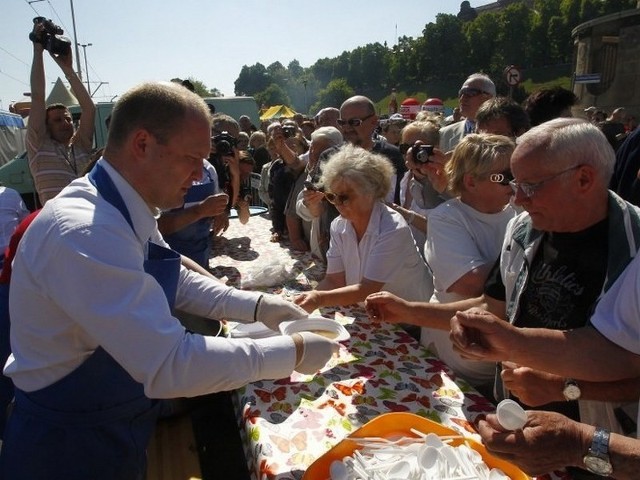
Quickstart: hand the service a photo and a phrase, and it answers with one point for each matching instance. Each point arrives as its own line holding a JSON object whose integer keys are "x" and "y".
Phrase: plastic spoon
{"x": 511, "y": 415}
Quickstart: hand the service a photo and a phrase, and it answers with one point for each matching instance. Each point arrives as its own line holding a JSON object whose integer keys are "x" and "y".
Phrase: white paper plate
{"x": 321, "y": 325}
{"x": 251, "y": 330}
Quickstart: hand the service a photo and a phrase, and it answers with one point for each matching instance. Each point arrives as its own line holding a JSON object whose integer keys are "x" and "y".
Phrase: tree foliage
{"x": 526, "y": 34}
{"x": 272, "y": 95}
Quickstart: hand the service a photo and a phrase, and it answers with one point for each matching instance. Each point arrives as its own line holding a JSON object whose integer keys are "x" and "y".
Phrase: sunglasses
{"x": 471, "y": 92}
{"x": 354, "y": 122}
{"x": 336, "y": 199}
{"x": 503, "y": 178}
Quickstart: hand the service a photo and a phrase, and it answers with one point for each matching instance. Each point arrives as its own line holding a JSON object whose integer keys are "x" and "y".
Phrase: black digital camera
{"x": 224, "y": 143}
{"x": 51, "y": 38}
{"x": 289, "y": 131}
{"x": 421, "y": 153}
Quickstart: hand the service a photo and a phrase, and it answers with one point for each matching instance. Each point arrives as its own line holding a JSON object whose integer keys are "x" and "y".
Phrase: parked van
{"x": 236, "y": 107}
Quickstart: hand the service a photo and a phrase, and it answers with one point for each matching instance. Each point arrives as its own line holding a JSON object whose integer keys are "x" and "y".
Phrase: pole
{"x": 75, "y": 37}
{"x": 86, "y": 65}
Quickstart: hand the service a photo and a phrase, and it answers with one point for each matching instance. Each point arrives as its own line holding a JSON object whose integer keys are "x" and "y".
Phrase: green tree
{"x": 444, "y": 45}
{"x": 200, "y": 88}
{"x": 252, "y": 80}
{"x": 272, "y": 95}
{"x": 481, "y": 38}
{"x": 294, "y": 69}
{"x": 336, "y": 92}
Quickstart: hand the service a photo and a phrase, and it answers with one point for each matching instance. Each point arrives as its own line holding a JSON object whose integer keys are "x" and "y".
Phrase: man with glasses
{"x": 476, "y": 89}
{"x": 569, "y": 245}
{"x": 358, "y": 121}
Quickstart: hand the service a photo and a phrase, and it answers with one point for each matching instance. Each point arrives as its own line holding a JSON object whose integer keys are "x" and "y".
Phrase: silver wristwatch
{"x": 571, "y": 390}
{"x": 597, "y": 458}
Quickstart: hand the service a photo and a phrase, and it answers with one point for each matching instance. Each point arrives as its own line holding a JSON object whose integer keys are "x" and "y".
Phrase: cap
{"x": 396, "y": 116}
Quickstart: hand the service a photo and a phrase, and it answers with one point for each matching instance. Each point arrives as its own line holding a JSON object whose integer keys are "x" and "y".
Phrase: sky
{"x": 210, "y": 40}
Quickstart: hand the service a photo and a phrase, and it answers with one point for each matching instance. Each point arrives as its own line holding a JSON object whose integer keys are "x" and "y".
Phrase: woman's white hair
{"x": 371, "y": 172}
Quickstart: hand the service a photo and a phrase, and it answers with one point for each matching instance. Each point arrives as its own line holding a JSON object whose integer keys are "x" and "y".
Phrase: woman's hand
{"x": 387, "y": 307}
{"x": 308, "y": 300}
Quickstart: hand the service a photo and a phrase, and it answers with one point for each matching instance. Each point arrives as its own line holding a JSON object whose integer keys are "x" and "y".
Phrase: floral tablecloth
{"x": 287, "y": 424}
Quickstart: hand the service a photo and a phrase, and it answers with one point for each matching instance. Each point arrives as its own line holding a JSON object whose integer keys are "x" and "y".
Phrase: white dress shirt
{"x": 78, "y": 283}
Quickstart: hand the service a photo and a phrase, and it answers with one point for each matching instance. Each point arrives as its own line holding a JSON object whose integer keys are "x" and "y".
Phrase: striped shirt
{"x": 53, "y": 165}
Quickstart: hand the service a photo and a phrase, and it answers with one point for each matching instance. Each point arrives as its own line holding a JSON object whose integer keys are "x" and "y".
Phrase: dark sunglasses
{"x": 336, "y": 199}
{"x": 354, "y": 122}
{"x": 503, "y": 178}
{"x": 471, "y": 92}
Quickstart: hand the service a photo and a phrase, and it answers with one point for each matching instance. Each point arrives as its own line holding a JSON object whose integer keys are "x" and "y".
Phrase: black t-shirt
{"x": 566, "y": 277}
{"x": 564, "y": 282}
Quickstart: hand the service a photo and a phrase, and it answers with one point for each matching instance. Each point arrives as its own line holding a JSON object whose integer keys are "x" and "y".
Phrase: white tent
{"x": 61, "y": 94}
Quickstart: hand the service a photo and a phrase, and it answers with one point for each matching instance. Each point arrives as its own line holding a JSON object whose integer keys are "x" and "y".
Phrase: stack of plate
{"x": 251, "y": 330}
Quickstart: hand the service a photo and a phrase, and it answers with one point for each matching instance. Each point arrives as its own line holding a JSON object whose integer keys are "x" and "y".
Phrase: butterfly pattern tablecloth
{"x": 287, "y": 424}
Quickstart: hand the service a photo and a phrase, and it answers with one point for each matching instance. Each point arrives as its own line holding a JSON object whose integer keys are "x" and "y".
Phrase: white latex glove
{"x": 317, "y": 351}
{"x": 273, "y": 310}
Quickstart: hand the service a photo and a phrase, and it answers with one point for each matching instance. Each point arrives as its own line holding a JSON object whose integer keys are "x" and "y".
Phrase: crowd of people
{"x": 504, "y": 241}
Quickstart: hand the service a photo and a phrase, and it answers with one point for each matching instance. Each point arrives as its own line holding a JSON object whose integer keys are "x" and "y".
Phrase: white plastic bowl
{"x": 320, "y": 325}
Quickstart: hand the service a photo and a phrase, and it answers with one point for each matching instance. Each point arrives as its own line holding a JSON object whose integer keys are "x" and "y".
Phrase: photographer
{"x": 57, "y": 152}
{"x": 225, "y": 157}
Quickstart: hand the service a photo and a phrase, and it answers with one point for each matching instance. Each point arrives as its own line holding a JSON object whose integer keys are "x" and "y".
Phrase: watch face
{"x": 598, "y": 465}
{"x": 571, "y": 392}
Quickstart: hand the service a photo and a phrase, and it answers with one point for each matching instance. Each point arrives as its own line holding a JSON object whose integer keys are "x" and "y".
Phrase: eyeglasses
{"x": 471, "y": 92}
{"x": 503, "y": 178}
{"x": 337, "y": 199}
{"x": 354, "y": 122}
{"x": 528, "y": 189}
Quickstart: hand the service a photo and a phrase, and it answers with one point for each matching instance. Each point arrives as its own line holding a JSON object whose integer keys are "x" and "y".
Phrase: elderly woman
{"x": 466, "y": 233}
{"x": 371, "y": 245}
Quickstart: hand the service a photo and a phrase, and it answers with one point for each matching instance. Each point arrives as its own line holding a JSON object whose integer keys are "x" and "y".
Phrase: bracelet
{"x": 255, "y": 312}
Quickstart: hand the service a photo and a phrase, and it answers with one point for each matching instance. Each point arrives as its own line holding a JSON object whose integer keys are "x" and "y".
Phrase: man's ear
{"x": 140, "y": 142}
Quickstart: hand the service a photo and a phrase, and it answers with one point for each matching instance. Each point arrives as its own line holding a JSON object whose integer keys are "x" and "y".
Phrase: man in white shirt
{"x": 92, "y": 335}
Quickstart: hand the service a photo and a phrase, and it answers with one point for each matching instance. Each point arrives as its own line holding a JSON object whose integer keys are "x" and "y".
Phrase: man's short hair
{"x": 503, "y": 107}
{"x": 548, "y": 103}
{"x": 221, "y": 122}
{"x": 485, "y": 81}
{"x": 158, "y": 107}
{"x": 331, "y": 134}
{"x": 569, "y": 142}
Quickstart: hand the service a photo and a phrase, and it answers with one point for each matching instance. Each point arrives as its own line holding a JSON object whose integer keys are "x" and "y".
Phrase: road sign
{"x": 587, "y": 78}
{"x": 512, "y": 76}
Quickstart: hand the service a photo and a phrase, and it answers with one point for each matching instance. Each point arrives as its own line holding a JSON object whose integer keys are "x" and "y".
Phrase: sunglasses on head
{"x": 336, "y": 199}
{"x": 503, "y": 178}
{"x": 471, "y": 92}
{"x": 353, "y": 122}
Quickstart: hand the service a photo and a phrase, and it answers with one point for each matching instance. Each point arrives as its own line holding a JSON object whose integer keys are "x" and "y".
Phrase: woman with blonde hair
{"x": 466, "y": 233}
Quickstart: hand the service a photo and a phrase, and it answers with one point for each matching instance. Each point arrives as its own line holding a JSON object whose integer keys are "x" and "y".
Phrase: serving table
{"x": 287, "y": 424}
